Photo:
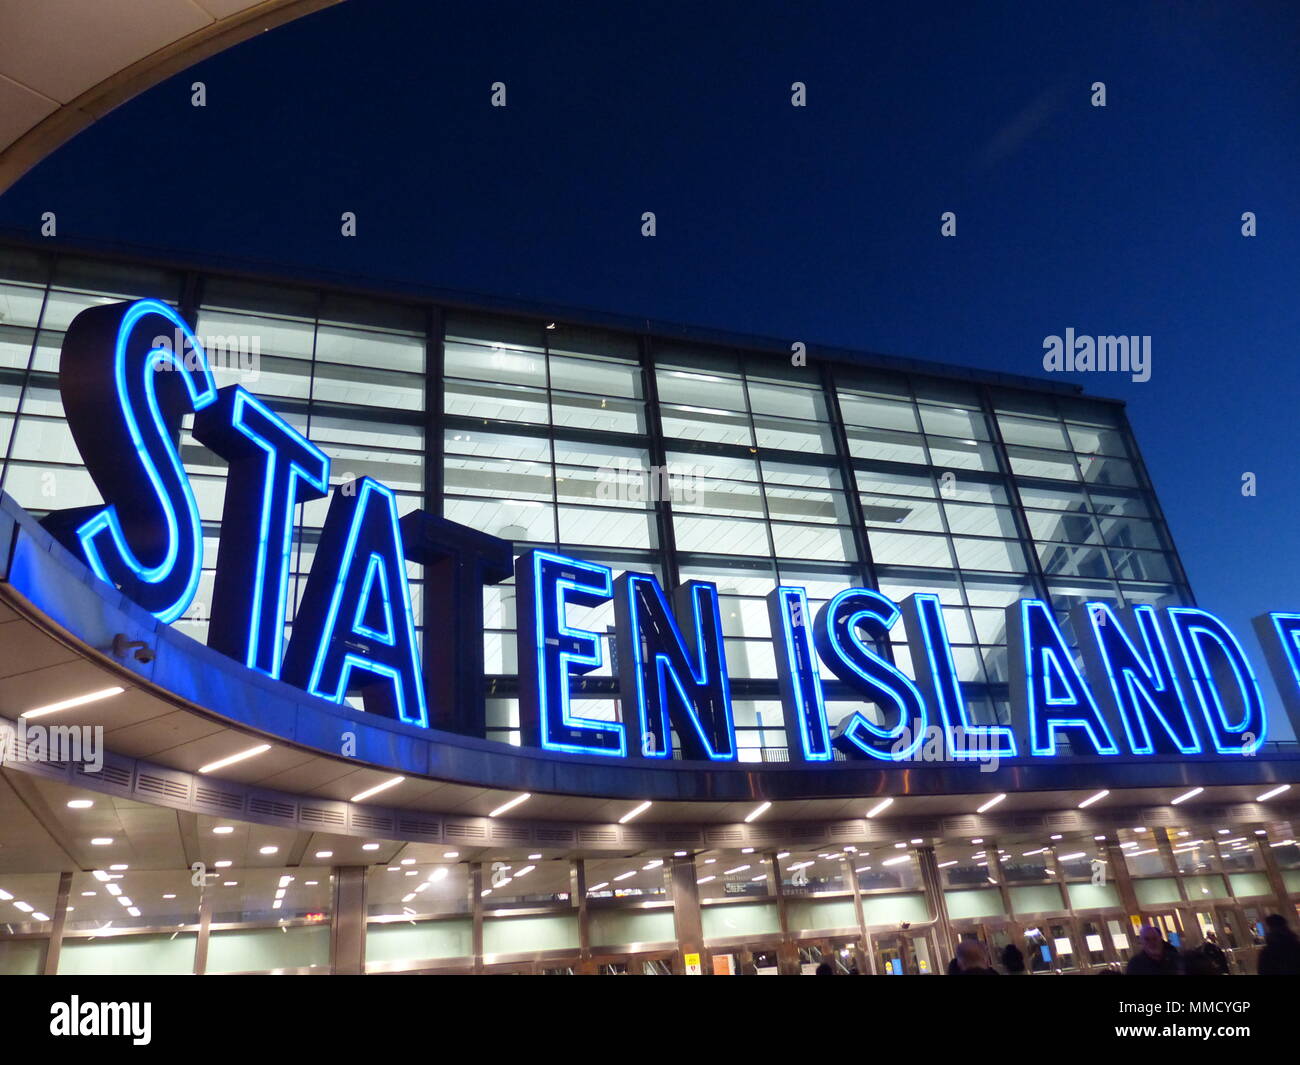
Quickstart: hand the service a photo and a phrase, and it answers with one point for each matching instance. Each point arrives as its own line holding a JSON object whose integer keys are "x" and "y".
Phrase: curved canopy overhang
{"x": 64, "y": 64}
{"x": 185, "y": 706}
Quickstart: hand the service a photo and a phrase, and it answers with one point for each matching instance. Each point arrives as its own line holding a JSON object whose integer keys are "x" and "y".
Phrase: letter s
{"x": 125, "y": 417}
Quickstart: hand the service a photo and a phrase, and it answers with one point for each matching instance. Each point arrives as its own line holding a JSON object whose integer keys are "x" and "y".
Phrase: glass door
{"x": 925, "y": 957}
{"x": 891, "y": 954}
{"x": 1170, "y": 924}
{"x": 1040, "y": 949}
{"x": 1093, "y": 942}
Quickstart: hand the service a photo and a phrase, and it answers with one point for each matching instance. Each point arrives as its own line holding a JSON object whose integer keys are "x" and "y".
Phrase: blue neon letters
{"x": 550, "y": 650}
{"x": 1211, "y": 662}
{"x": 147, "y": 540}
{"x": 806, "y": 732}
{"x": 936, "y": 676}
{"x": 1173, "y": 682}
{"x": 354, "y": 630}
{"x": 674, "y": 687}
{"x": 273, "y": 467}
{"x": 1046, "y": 689}
{"x": 1137, "y": 689}
{"x": 840, "y": 645}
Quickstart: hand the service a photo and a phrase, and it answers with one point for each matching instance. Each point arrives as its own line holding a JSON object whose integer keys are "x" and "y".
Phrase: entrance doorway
{"x": 907, "y": 953}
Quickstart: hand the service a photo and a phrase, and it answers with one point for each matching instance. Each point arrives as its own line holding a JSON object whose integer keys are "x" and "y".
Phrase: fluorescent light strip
{"x": 991, "y": 803}
{"x": 882, "y": 805}
{"x": 505, "y": 806}
{"x": 636, "y": 812}
{"x": 362, "y": 796}
{"x": 221, "y": 763}
{"x": 757, "y": 812}
{"x": 68, "y": 704}
{"x": 1273, "y": 793}
{"x": 1185, "y": 796}
{"x": 1093, "y": 798}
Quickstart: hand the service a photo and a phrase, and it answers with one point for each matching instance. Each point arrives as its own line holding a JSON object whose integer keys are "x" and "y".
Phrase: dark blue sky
{"x": 820, "y": 224}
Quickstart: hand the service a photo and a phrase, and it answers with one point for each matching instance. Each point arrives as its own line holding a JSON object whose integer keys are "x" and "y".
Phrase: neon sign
{"x": 1153, "y": 682}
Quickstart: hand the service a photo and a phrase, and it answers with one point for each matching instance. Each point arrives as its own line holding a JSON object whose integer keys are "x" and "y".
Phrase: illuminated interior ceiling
{"x": 64, "y": 64}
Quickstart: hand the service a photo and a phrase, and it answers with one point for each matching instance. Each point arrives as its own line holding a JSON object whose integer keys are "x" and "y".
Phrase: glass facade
{"x": 688, "y": 461}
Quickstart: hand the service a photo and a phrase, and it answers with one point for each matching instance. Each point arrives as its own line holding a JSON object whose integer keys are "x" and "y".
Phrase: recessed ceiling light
{"x": 80, "y": 804}
{"x": 221, "y": 763}
{"x": 268, "y": 850}
{"x": 324, "y": 854}
{"x": 231, "y": 883}
{"x": 370, "y": 846}
{"x": 451, "y": 854}
{"x": 68, "y": 704}
{"x": 223, "y": 830}
{"x": 169, "y": 896}
{"x": 225, "y": 863}
{"x": 119, "y": 868}
{"x": 102, "y": 841}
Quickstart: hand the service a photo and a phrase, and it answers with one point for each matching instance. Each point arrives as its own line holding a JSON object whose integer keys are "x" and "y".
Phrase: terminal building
{"x": 215, "y": 818}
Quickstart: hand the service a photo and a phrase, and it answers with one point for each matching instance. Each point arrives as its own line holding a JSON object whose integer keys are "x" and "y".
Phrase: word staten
{"x": 1172, "y": 681}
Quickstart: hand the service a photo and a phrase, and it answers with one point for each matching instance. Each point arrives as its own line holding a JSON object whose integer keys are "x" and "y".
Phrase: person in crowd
{"x": 971, "y": 960}
{"x": 1013, "y": 961}
{"x": 1156, "y": 958}
{"x": 1280, "y": 955}
{"x": 1211, "y": 949}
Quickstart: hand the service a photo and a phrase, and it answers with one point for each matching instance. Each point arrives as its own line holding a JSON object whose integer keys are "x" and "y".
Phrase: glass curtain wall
{"x": 690, "y": 462}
